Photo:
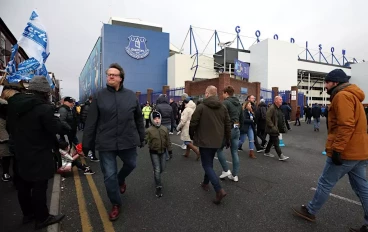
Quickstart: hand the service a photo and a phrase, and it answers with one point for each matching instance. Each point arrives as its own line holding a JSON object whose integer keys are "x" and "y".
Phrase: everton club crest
{"x": 137, "y": 47}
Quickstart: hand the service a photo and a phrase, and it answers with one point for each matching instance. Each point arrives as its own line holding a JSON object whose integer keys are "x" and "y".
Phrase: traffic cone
{"x": 281, "y": 141}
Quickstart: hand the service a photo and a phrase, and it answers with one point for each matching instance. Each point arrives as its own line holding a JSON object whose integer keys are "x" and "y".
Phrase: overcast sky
{"x": 74, "y": 26}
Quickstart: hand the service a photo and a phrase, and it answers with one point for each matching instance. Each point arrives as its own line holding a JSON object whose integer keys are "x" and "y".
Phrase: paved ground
{"x": 260, "y": 201}
{"x": 10, "y": 213}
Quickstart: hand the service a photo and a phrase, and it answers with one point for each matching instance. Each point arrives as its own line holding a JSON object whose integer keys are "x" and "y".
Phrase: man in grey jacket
{"x": 115, "y": 125}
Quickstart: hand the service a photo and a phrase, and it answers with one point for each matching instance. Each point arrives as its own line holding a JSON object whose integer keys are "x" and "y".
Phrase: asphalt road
{"x": 260, "y": 201}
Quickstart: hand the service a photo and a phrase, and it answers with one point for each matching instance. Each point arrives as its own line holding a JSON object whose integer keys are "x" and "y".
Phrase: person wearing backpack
{"x": 260, "y": 120}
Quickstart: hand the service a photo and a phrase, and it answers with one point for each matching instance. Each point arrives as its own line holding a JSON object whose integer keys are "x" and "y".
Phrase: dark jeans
{"x": 287, "y": 123}
{"x": 147, "y": 123}
{"x": 274, "y": 141}
{"x": 261, "y": 133}
{"x": 32, "y": 198}
{"x": 207, "y": 156}
{"x": 256, "y": 143}
{"x": 79, "y": 165}
{"x": 297, "y": 120}
{"x": 112, "y": 178}
{"x": 158, "y": 163}
{"x": 5, "y": 162}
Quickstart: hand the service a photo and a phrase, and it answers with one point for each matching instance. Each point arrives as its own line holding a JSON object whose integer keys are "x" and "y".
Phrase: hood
{"x": 262, "y": 104}
{"x": 191, "y": 105}
{"x": 162, "y": 99}
{"x": 212, "y": 102}
{"x": 155, "y": 114}
{"x": 352, "y": 88}
{"x": 234, "y": 100}
{"x": 22, "y": 103}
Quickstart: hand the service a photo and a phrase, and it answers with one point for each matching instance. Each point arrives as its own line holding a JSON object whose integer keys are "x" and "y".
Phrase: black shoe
{"x": 159, "y": 192}
{"x": 94, "y": 159}
{"x": 88, "y": 171}
{"x": 52, "y": 219}
{"x": 302, "y": 212}
{"x": 364, "y": 228}
{"x": 240, "y": 148}
{"x": 27, "y": 219}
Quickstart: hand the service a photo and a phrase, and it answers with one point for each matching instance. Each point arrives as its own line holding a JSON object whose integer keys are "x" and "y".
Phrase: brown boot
{"x": 205, "y": 187}
{"x": 219, "y": 195}
{"x": 251, "y": 154}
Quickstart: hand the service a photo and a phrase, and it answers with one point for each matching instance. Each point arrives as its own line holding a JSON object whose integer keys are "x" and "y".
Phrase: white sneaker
{"x": 233, "y": 178}
{"x": 178, "y": 133}
{"x": 282, "y": 157}
{"x": 170, "y": 133}
{"x": 269, "y": 155}
{"x": 184, "y": 147}
{"x": 225, "y": 174}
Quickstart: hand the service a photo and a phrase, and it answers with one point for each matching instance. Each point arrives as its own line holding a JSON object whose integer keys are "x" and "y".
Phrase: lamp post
{"x": 225, "y": 45}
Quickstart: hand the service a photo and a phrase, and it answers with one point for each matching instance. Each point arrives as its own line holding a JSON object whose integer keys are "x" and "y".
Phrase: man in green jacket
{"x": 275, "y": 125}
{"x": 209, "y": 126}
{"x": 235, "y": 111}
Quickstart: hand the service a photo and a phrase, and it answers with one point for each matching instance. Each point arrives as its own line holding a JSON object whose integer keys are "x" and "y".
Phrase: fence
{"x": 285, "y": 94}
{"x": 142, "y": 98}
{"x": 301, "y": 103}
{"x": 267, "y": 95}
{"x": 176, "y": 93}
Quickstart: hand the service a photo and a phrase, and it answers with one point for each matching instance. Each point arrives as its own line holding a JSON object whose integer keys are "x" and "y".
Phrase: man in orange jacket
{"x": 346, "y": 146}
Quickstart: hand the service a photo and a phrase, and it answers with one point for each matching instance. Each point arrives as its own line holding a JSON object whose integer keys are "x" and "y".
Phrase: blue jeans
{"x": 158, "y": 163}
{"x": 112, "y": 178}
{"x": 207, "y": 156}
{"x": 167, "y": 152}
{"x": 250, "y": 135}
{"x": 235, "y": 134}
{"x": 316, "y": 123}
{"x": 356, "y": 170}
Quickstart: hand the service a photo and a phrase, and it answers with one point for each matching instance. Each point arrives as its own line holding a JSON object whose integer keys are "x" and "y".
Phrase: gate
{"x": 175, "y": 93}
{"x": 267, "y": 95}
{"x": 301, "y": 103}
{"x": 142, "y": 98}
{"x": 154, "y": 96}
{"x": 285, "y": 95}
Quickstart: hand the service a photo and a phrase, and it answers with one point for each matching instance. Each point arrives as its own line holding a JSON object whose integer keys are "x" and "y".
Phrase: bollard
{"x": 281, "y": 141}
{"x": 324, "y": 153}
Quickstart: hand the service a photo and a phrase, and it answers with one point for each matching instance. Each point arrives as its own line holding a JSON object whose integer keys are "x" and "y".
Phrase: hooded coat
{"x": 185, "y": 118}
{"x": 33, "y": 127}
{"x": 4, "y": 135}
{"x": 347, "y": 123}
{"x": 166, "y": 111}
{"x": 210, "y": 124}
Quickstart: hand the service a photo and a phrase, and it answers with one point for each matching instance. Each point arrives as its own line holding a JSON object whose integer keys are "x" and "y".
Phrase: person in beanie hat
{"x": 158, "y": 139}
{"x": 346, "y": 146}
{"x": 33, "y": 128}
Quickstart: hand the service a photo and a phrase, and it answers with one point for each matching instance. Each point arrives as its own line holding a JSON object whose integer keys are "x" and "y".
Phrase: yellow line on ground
{"x": 107, "y": 224}
{"x": 86, "y": 223}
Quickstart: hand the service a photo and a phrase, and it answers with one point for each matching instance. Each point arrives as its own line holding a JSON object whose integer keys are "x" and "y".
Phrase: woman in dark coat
{"x": 33, "y": 128}
{"x": 247, "y": 129}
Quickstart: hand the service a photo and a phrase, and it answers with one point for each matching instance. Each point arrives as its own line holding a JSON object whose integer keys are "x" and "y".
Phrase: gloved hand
{"x": 336, "y": 158}
{"x": 227, "y": 144}
{"x": 142, "y": 144}
{"x": 85, "y": 151}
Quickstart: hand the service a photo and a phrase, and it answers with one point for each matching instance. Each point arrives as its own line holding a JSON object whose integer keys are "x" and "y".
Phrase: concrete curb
{"x": 55, "y": 203}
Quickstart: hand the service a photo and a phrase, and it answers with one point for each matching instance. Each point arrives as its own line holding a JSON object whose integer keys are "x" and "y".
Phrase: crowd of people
{"x": 115, "y": 124}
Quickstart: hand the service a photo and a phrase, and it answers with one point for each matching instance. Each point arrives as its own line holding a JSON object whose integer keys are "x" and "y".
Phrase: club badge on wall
{"x": 137, "y": 47}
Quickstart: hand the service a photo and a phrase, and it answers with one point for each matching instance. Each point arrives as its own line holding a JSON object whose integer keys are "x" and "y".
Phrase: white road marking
{"x": 215, "y": 157}
{"x": 341, "y": 198}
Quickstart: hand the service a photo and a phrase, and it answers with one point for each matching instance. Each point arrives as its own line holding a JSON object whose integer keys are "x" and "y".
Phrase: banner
{"x": 34, "y": 41}
{"x": 241, "y": 69}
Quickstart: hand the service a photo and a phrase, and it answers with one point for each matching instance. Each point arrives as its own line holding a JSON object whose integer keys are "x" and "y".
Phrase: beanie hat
{"x": 39, "y": 84}
{"x": 337, "y": 75}
{"x": 68, "y": 99}
{"x": 262, "y": 100}
{"x": 156, "y": 114}
{"x": 184, "y": 95}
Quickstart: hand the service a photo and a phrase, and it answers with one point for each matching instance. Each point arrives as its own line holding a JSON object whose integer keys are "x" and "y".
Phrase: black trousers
{"x": 32, "y": 198}
{"x": 261, "y": 133}
{"x": 147, "y": 123}
{"x": 274, "y": 141}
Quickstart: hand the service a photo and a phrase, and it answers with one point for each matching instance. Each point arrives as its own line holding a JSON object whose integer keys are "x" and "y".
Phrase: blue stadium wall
{"x": 140, "y": 74}
{"x": 90, "y": 78}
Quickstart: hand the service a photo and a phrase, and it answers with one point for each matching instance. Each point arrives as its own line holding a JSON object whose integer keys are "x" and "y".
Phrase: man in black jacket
{"x": 33, "y": 127}
{"x": 316, "y": 113}
{"x": 68, "y": 119}
{"x": 167, "y": 116}
{"x": 115, "y": 125}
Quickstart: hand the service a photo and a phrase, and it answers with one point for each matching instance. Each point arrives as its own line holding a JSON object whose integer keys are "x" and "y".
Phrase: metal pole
{"x": 230, "y": 69}
{"x": 309, "y": 90}
{"x": 224, "y": 58}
